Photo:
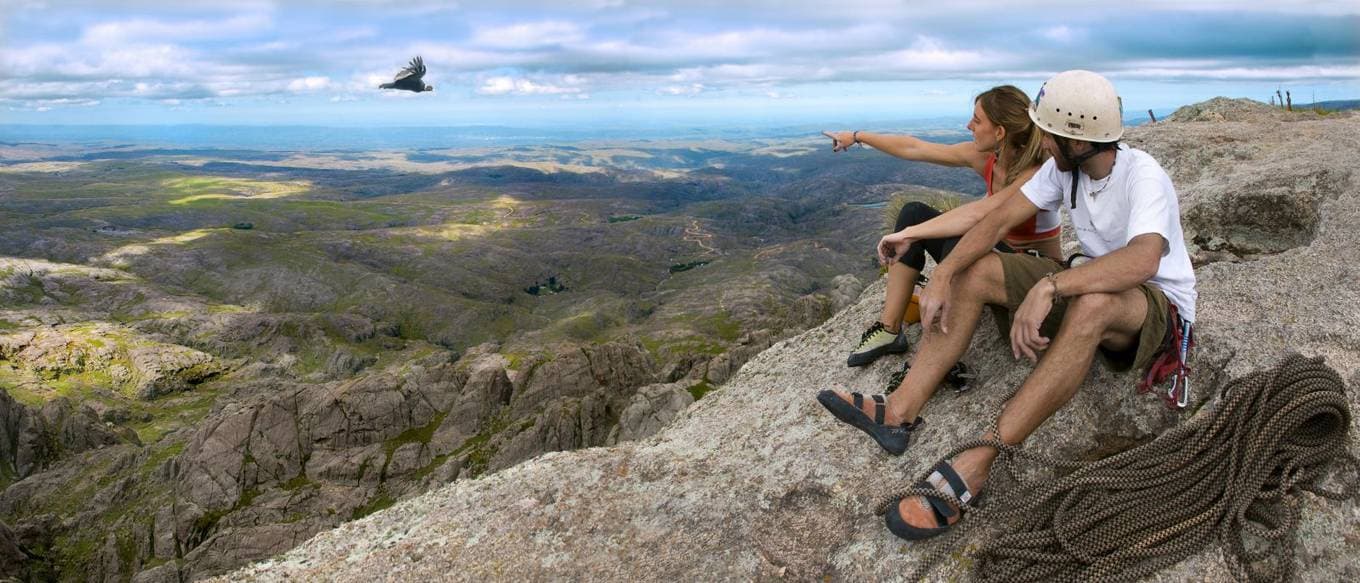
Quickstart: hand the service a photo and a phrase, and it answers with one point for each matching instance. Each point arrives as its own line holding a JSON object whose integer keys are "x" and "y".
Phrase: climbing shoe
{"x": 892, "y": 438}
{"x": 876, "y": 342}
{"x": 958, "y": 378}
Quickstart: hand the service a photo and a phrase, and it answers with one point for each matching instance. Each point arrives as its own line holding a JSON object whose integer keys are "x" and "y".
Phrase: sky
{"x": 626, "y": 63}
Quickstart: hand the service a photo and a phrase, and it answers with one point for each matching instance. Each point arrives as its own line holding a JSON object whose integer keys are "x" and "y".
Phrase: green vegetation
{"x": 698, "y": 390}
{"x": 420, "y": 434}
{"x": 380, "y": 502}
{"x": 623, "y": 218}
{"x": 552, "y": 287}
{"x": 482, "y": 448}
{"x": 161, "y": 455}
{"x": 721, "y": 325}
{"x": 679, "y": 267}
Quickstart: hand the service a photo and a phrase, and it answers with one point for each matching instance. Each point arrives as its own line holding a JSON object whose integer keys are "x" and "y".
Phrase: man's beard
{"x": 1061, "y": 161}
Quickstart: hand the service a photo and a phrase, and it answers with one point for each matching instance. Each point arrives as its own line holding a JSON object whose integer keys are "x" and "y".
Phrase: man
{"x": 1120, "y": 304}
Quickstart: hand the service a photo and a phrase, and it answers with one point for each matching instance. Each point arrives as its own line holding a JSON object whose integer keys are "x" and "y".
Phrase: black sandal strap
{"x": 858, "y": 399}
{"x": 956, "y": 484}
{"x": 878, "y": 409}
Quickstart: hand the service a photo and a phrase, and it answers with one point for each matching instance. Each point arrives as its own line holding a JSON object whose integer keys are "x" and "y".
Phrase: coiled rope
{"x": 1230, "y": 473}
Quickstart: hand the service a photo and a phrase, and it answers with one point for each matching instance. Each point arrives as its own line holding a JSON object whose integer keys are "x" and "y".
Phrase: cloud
{"x": 1062, "y": 34}
{"x": 146, "y": 30}
{"x": 519, "y": 86}
{"x": 202, "y": 50}
{"x": 689, "y": 90}
{"x": 528, "y": 35}
{"x": 309, "y": 84}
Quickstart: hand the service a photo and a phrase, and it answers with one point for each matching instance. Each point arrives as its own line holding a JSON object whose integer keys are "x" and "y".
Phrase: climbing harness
{"x": 1231, "y": 473}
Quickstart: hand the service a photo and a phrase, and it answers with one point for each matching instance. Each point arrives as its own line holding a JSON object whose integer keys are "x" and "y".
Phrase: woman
{"x": 1006, "y": 152}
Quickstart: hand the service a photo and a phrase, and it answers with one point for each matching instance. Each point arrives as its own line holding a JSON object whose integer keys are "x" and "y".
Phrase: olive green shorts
{"x": 1022, "y": 271}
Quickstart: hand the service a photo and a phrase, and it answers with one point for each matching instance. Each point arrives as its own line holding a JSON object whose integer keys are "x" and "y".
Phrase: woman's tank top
{"x": 1043, "y": 225}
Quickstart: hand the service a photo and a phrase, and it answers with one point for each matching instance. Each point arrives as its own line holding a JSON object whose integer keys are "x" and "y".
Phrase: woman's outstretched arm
{"x": 963, "y": 154}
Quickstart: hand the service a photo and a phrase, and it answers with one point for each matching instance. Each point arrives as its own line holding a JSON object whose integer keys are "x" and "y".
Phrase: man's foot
{"x": 919, "y": 517}
{"x": 877, "y": 341}
{"x": 870, "y": 416}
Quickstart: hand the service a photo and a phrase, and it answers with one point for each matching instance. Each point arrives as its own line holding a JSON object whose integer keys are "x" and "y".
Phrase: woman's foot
{"x": 877, "y": 341}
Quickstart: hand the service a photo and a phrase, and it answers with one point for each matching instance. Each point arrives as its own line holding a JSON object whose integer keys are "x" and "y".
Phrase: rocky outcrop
{"x": 1229, "y": 109}
{"x": 755, "y": 481}
{"x": 144, "y": 367}
{"x": 33, "y": 438}
{"x": 13, "y": 559}
{"x": 651, "y": 409}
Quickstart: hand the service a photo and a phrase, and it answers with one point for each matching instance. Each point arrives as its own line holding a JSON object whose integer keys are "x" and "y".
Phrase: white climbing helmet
{"x": 1080, "y": 105}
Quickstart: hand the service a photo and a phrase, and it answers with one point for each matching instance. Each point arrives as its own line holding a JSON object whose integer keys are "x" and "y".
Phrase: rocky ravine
{"x": 159, "y": 437}
{"x": 757, "y": 482}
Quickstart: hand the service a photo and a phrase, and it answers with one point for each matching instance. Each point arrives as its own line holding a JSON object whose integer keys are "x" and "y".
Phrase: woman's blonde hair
{"x": 1008, "y": 107}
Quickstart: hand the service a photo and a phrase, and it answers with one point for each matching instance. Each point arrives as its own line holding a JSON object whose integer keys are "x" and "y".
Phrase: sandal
{"x": 892, "y": 438}
{"x": 950, "y": 484}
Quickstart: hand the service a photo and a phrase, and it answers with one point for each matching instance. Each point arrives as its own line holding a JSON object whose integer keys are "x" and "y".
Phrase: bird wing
{"x": 415, "y": 70}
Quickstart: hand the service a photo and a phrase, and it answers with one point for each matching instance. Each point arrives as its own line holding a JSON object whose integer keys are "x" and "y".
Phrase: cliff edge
{"x": 756, "y": 481}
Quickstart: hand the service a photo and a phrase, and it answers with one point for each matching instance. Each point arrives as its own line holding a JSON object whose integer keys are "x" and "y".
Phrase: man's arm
{"x": 958, "y": 221}
{"x": 980, "y": 239}
{"x": 976, "y": 243}
{"x": 1123, "y": 269}
{"x": 1119, "y": 271}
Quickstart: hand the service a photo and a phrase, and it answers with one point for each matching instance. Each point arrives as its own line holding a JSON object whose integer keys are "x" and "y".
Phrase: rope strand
{"x": 1231, "y": 473}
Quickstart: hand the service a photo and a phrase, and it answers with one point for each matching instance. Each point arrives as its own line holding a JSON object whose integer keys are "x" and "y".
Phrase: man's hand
{"x": 935, "y": 300}
{"x": 840, "y": 141}
{"x": 892, "y": 247}
{"x": 1025, "y": 337}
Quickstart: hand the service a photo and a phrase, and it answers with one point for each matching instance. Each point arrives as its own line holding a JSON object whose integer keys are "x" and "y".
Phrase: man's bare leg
{"x": 1109, "y": 320}
{"x": 982, "y": 283}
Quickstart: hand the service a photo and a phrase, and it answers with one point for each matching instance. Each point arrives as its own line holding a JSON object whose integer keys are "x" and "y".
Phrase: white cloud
{"x": 309, "y": 84}
{"x": 1243, "y": 73}
{"x": 146, "y": 30}
{"x": 690, "y": 90}
{"x": 504, "y": 85}
{"x": 528, "y": 35}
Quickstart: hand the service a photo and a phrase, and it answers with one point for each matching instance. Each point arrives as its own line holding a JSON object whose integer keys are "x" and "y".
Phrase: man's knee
{"x": 915, "y": 213}
{"x": 984, "y": 280}
{"x": 1091, "y": 314}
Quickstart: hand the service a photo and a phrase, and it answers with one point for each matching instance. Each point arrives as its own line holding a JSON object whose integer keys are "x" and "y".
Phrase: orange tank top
{"x": 1043, "y": 225}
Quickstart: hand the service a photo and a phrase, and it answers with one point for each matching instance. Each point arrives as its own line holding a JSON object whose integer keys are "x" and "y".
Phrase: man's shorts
{"x": 1022, "y": 271}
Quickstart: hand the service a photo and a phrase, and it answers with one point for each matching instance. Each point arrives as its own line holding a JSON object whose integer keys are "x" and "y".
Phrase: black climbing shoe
{"x": 892, "y": 438}
{"x": 958, "y": 378}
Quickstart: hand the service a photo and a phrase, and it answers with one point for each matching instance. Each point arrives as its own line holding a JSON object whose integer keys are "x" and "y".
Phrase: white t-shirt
{"x": 1135, "y": 199}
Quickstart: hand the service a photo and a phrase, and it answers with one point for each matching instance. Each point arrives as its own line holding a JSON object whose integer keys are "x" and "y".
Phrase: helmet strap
{"x": 1076, "y": 164}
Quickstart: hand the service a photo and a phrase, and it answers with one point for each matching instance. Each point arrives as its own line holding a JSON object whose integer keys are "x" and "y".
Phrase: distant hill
{"x": 1334, "y": 105}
